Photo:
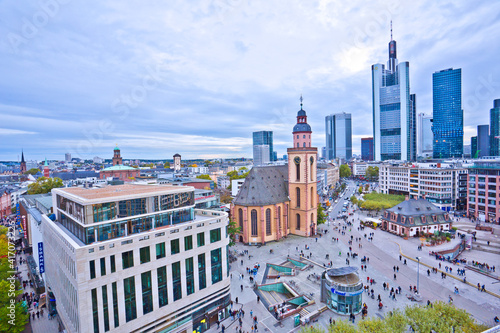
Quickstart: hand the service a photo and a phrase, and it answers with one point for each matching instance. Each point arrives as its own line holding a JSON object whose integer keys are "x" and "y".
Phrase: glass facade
{"x": 160, "y": 250}
{"x": 202, "y": 274}
{"x": 448, "y": 116}
{"x": 338, "y": 136}
{"x": 215, "y": 235}
{"x": 264, "y": 138}
{"x": 367, "y": 149}
{"x": 162, "y": 286}
{"x": 130, "y": 302}
{"x": 176, "y": 280}
{"x": 495, "y": 128}
{"x": 147, "y": 293}
{"x": 189, "y": 276}
{"x": 216, "y": 260}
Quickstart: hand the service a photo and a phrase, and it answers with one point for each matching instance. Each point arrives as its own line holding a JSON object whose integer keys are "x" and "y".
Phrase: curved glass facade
{"x": 343, "y": 298}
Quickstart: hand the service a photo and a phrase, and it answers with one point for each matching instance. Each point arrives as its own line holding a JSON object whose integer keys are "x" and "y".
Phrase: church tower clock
{"x": 302, "y": 182}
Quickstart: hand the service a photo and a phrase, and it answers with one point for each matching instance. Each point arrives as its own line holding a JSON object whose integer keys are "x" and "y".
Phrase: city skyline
{"x": 199, "y": 79}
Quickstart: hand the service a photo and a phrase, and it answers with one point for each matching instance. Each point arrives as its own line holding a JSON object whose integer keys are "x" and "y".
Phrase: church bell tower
{"x": 302, "y": 181}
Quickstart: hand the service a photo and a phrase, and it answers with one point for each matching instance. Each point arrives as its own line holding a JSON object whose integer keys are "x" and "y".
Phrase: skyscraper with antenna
{"x": 394, "y": 109}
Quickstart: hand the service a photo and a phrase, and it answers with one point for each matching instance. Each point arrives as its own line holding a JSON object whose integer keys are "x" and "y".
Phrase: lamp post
{"x": 418, "y": 275}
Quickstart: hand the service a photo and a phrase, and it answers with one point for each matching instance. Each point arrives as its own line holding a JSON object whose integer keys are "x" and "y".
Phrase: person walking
{"x": 394, "y": 276}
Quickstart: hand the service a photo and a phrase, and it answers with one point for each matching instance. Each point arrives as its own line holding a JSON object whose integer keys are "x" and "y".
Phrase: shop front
{"x": 342, "y": 290}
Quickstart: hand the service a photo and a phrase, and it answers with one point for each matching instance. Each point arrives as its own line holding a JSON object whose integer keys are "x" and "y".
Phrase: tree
{"x": 321, "y": 215}
{"x": 354, "y": 200}
{"x": 232, "y": 230}
{"x": 166, "y": 165}
{"x": 344, "y": 171}
{"x": 14, "y": 315}
{"x": 44, "y": 185}
{"x": 372, "y": 173}
{"x": 360, "y": 189}
{"x": 207, "y": 177}
{"x": 32, "y": 171}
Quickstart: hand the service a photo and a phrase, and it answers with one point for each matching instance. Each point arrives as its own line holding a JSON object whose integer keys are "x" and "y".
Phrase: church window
{"x": 303, "y": 136}
{"x": 297, "y": 145}
{"x": 298, "y": 196}
{"x": 268, "y": 221}
{"x": 304, "y": 144}
{"x": 298, "y": 221}
{"x": 240, "y": 217}
{"x": 297, "y": 170}
{"x": 312, "y": 197}
{"x": 279, "y": 217}
{"x": 253, "y": 216}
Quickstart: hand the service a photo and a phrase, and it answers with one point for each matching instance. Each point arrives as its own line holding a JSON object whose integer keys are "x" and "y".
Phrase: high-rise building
{"x": 260, "y": 155}
{"x": 483, "y": 140}
{"x": 67, "y": 157}
{"x": 264, "y": 138}
{"x": 177, "y": 162}
{"x": 338, "y": 136}
{"x": 394, "y": 110}
{"x": 367, "y": 149}
{"x": 473, "y": 147}
{"x": 424, "y": 135}
{"x": 132, "y": 258}
{"x": 447, "y": 113}
{"x": 495, "y": 128}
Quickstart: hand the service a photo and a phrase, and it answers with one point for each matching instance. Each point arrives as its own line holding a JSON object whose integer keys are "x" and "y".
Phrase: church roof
{"x": 302, "y": 127}
{"x": 264, "y": 185}
{"x": 119, "y": 167}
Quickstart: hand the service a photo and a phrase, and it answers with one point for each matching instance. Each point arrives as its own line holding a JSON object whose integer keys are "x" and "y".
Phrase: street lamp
{"x": 418, "y": 274}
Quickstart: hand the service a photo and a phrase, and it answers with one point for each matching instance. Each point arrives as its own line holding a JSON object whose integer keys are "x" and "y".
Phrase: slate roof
{"x": 264, "y": 185}
{"x": 415, "y": 209}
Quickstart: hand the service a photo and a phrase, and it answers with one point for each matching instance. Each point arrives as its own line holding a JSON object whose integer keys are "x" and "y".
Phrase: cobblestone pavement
{"x": 383, "y": 252}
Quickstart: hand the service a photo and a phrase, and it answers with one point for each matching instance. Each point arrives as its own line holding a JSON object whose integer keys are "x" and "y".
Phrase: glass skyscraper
{"x": 367, "y": 149}
{"x": 394, "y": 110}
{"x": 338, "y": 136}
{"x": 262, "y": 138}
{"x": 495, "y": 128}
{"x": 448, "y": 116}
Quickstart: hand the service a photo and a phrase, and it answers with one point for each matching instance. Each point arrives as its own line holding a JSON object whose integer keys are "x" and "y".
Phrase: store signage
{"x": 41, "y": 260}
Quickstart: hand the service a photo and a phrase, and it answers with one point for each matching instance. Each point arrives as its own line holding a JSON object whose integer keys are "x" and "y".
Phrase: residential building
{"x": 329, "y": 174}
{"x": 424, "y": 135}
{"x": 359, "y": 168}
{"x": 177, "y": 162}
{"x": 264, "y": 138}
{"x": 483, "y": 195}
{"x": 495, "y": 128}
{"x": 440, "y": 183}
{"x": 98, "y": 160}
{"x": 483, "y": 140}
{"x": 447, "y": 114}
{"x": 223, "y": 181}
{"x": 367, "y": 149}
{"x": 5, "y": 203}
{"x": 414, "y": 218}
{"x": 132, "y": 258}
{"x": 67, "y": 157}
{"x": 394, "y": 110}
{"x": 338, "y": 136}
{"x": 261, "y": 155}
{"x": 236, "y": 185}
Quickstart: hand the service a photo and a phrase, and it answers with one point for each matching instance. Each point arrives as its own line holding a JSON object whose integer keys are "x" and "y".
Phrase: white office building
{"x": 261, "y": 155}
{"x": 440, "y": 183}
{"x": 136, "y": 258}
{"x": 424, "y": 135}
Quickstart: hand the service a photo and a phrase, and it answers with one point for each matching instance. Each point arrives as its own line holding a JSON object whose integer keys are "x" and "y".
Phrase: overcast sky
{"x": 198, "y": 77}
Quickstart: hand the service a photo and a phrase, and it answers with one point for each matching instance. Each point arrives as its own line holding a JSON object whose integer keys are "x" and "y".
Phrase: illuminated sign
{"x": 41, "y": 261}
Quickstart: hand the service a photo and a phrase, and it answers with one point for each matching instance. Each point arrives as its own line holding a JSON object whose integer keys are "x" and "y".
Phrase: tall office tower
{"x": 338, "y": 136}
{"x": 495, "y": 128}
{"x": 483, "y": 140}
{"x": 394, "y": 110}
{"x": 264, "y": 138}
{"x": 136, "y": 258}
{"x": 424, "y": 135}
{"x": 367, "y": 149}
{"x": 260, "y": 154}
{"x": 473, "y": 147}
{"x": 447, "y": 113}
{"x": 67, "y": 157}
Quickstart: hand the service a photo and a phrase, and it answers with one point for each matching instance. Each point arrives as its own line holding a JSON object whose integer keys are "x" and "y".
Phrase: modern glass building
{"x": 495, "y": 128}
{"x": 262, "y": 138}
{"x": 448, "y": 116}
{"x": 338, "y": 136}
{"x": 367, "y": 149}
{"x": 424, "y": 135}
{"x": 473, "y": 147}
{"x": 394, "y": 110}
{"x": 342, "y": 290}
{"x": 483, "y": 140}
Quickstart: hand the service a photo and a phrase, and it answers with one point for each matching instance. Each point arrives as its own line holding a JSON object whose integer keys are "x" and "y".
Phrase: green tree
{"x": 232, "y": 230}
{"x": 372, "y": 173}
{"x": 344, "y": 171}
{"x": 166, "y": 165}
{"x": 44, "y": 185}
{"x": 32, "y": 171}
{"x": 204, "y": 177}
{"x": 354, "y": 200}
{"x": 360, "y": 189}
{"x": 321, "y": 215}
{"x": 13, "y": 319}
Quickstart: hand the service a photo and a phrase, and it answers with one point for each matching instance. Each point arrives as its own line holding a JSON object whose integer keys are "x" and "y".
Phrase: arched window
{"x": 304, "y": 144}
{"x": 312, "y": 167}
{"x": 297, "y": 170}
{"x": 298, "y": 221}
{"x": 279, "y": 217}
{"x": 312, "y": 218}
{"x": 297, "y": 145}
{"x": 297, "y": 193}
{"x": 253, "y": 216}
{"x": 268, "y": 221}
{"x": 240, "y": 218}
